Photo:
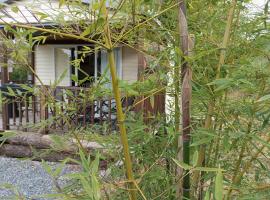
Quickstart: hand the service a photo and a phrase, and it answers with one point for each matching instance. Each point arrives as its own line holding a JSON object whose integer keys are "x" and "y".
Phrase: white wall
{"x": 62, "y": 66}
{"x": 51, "y": 61}
{"x": 44, "y": 64}
{"x": 130, "y": 64}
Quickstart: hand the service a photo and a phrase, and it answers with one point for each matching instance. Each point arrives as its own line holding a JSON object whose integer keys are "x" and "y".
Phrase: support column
{"x": 4, "y": 79}
{"x": 44, "y": 109}
{"x": 31, "y": 61}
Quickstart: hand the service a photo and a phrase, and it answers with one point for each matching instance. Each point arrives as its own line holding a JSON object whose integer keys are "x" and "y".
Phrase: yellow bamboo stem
{"x": 238, "y": 178}
{"x": 120, "y": 114}
{"x": 226, "y": 38}
{"x": 61, "y": 34}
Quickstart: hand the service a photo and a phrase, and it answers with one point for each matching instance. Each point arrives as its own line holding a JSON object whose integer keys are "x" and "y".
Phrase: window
{"x": 93, "y": 65}
{"x": 105, "y": 71}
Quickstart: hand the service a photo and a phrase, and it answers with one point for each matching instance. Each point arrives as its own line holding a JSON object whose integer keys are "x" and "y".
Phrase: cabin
{"x": 55, "y": 74}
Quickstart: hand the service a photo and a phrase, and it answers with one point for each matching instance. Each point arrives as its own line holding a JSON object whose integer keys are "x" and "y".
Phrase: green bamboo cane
{"x": 238, "y": 177}
{"x": 211, "y": 105}
{"x": 120, "y": 114}
{"x": 179, "y": 170}
{"x": 176, "y": 81}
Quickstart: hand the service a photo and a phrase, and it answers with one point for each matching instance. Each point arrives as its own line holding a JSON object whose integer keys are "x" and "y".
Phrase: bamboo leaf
{"x": 87, "y": 187}
{"x": 183, "y": 165}
{"x": 219, "y": 186}
{"x": 41, "y": 15}
{"x": 6, "y": 135}
{"x": 11, "y": 92}
{"x": 195, "y": 158}
{"x": 201, "y": 141}
{"x": 96, "y": 6}
{"x": 27, "y": 88}
{"x": 95, "y": 187}
{"x": 221, "y": 81}
{"x": 265, "y": 143}
{"x": 188, "y": 167}
{"x": 61, "y": 3}
{"x": 152, "y": 101}
{"x": 207, "y": 169}
{"x": 15, "y": 9}
{"x": 264, "y": 98}
{"x": 60, "y": 79}
{"x": 207, "y": 195}
{"x": 95, "y": 164}
{"x": 87, "y": 31}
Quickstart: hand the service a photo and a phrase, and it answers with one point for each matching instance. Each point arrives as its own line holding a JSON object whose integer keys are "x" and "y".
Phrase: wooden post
{"x": 4, "y": 79}
{"x": 31, "y": 61}
{"x": 159, "y": 103}
{"x": 43, "y": 109}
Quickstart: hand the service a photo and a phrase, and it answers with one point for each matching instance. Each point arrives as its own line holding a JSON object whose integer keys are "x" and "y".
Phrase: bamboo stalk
{"x": 211, "y": 105}
{"x": 176, "y": 81}
{"x": 186, "y": 74}
{"x": 238, "y": 177}
{"x": 248, "y": 164}
{"x": 58, "y": 33}
{"x": 179, "y": 170}
{"x": 120, "y": 114}
{"x": 226, "y": 37}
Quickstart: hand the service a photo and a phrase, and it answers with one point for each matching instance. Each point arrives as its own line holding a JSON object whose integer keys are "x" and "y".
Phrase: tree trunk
{"x": 20, "y": 151}
{"x": 40, "y": 141}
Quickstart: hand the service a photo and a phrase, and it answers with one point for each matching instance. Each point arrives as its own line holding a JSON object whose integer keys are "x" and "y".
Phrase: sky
{"x": 259, "y": 2}
{"x": 256, "y": 5}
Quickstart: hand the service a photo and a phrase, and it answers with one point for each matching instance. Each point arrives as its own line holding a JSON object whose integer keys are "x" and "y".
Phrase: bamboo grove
{"x": 211, "y": 58}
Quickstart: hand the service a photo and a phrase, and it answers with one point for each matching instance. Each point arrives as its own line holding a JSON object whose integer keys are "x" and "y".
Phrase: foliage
{"x": 19, "y": 74}
{"x": 236, "y": 161}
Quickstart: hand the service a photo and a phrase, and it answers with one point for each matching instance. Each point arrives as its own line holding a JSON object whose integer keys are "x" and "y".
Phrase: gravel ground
{"x": 29, "y": 178}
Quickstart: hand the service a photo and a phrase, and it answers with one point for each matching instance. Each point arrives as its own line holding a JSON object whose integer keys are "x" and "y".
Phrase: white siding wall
{"x": 51, "y": 62}
{"x": 62, "y": 65}
{"x": 130, "y": 64}
{"x": 44, "y": 64}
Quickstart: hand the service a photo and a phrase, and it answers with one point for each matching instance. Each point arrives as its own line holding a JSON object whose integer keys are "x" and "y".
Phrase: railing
{"x": 63, "y": 108}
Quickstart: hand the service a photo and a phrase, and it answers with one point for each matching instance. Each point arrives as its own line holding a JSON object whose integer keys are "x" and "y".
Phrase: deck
{"x": 64, "y": 108}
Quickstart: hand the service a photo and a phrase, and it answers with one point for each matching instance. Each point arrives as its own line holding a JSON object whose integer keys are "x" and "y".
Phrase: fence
{"x": 62, "y": 108}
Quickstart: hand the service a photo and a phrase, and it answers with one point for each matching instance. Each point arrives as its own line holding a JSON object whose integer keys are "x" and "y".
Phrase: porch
{"x": 60, "y": 109}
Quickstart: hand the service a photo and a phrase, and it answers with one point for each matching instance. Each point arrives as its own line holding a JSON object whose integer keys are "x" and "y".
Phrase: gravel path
{"x": 28, "y": 178}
